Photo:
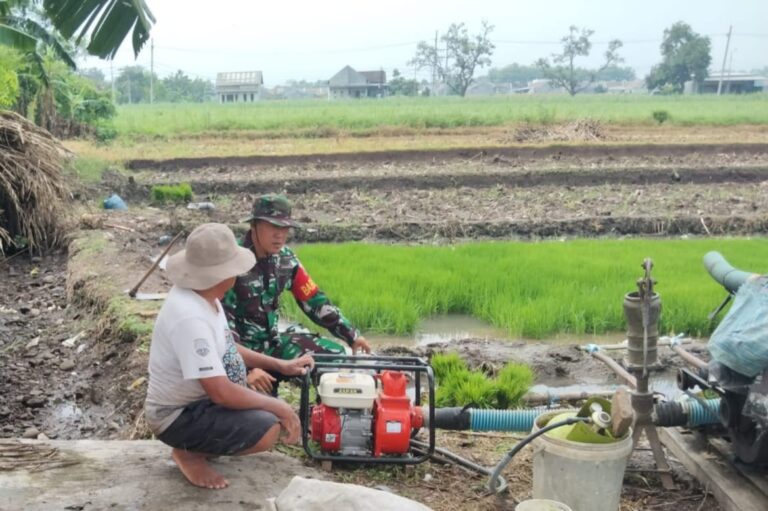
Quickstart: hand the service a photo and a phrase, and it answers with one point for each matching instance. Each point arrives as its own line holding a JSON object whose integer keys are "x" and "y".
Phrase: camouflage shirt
{"x": 252, "y": 305}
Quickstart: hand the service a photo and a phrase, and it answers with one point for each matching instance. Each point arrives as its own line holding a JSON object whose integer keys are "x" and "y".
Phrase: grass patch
{"x": 327, "y": 119}
{"x": 171, "y": 193}
{"x": 531, "y": 290}
{"x": 89, "y": 245}
{"x": 88, "y": 169}
{"x": 130, "y": 325}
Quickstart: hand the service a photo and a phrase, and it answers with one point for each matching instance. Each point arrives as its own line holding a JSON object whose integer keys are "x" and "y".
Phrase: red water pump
{"x": 364, "y": 411}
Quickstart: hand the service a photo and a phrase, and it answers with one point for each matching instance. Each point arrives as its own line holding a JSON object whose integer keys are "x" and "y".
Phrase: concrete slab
{"x": 89, "y": 475}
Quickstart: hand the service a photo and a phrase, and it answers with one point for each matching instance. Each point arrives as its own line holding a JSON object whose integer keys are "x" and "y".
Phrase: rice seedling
{"x": 171, "y": 193}
{"x": 512, "y": 382}
{"x": 474, "y": 389}
{"x": 444, "y": 365}
{"x": 458, "y": 386}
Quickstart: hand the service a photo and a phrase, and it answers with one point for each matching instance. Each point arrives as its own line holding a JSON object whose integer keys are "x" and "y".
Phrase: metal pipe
{"x": 613, "y": 365}
{"x": 462, "y": 462}
{"x": 688, "y": 357}
{"x": 663, "y": 341}
{"x": 557, "y": 397}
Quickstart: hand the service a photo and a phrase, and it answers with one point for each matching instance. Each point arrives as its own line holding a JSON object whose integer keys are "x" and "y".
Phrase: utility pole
{"x": 151, "y": 71}
{"x": 725, "y": 56}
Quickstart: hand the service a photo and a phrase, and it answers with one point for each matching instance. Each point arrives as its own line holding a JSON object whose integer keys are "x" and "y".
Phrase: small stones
{"x": 35, "y": 401}
{"x": 32, "y": 432}
{"x": 67, "y": 364}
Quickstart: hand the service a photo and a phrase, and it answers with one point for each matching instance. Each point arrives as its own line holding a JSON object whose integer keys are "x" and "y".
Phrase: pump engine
{"x": 364, "y": 411}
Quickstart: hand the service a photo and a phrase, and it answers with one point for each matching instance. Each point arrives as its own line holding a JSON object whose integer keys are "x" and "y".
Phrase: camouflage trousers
{"x": 294, "y": 344}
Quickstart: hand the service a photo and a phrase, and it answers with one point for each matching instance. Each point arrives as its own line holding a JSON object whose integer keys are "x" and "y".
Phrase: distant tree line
{"x": 457, "y": 56}
{"x": 521, "y": 75}
{"x": 134, "y": 83}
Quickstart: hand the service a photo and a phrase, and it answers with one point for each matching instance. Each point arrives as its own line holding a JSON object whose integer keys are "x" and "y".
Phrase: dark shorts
{"x": 208, "y": 428}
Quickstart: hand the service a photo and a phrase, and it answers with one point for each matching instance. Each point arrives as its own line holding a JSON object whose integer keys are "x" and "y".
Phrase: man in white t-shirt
{"x": 199, "y": 401}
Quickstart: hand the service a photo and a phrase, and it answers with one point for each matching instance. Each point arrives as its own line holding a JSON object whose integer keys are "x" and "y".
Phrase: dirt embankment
{"x": 592, "y": 190}
{"x": 420, "y": 156}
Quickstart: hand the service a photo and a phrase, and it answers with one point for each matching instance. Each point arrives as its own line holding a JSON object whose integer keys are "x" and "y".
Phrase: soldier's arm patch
{"x": 303, "y": 287}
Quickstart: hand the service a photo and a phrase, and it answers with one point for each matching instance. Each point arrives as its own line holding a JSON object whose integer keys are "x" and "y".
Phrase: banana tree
{"x": 104, "y": 24}
{"x": 10, "y": 35}
{"x": 101, "y": 24}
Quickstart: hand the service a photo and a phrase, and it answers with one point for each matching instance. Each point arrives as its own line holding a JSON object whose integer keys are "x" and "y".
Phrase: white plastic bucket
{"x": 586, "y": 477}
{"x": 541, "y": 505}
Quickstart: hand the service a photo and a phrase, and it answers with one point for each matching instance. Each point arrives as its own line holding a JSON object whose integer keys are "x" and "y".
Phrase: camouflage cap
{"x": 273, "y": 208}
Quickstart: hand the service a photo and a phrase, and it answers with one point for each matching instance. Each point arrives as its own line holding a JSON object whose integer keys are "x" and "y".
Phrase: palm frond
{"x": 44, "y": 36}
{"x": 16, "y": 39}
{"x": 104, "y": 23}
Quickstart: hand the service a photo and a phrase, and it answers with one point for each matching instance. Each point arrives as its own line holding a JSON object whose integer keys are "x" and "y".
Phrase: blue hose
{"x": 504, "y": 420}
{"x": 699, "y": 415}
{"x": 690, "y": 413}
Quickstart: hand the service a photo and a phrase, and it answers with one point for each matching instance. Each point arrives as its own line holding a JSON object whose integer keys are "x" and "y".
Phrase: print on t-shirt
{"x": 201, "y": 347}
{"x": 233, "y": 362}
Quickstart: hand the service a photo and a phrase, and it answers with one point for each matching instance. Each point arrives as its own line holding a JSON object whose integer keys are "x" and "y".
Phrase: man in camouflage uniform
{"x": 252, "y": 305}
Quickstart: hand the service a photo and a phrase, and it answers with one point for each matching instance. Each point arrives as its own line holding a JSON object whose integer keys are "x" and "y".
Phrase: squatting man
{"x": 199, "y": 401}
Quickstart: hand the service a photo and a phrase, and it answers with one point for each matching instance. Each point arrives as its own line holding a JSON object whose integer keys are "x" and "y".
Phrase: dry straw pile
{"x": 33, "y": 189}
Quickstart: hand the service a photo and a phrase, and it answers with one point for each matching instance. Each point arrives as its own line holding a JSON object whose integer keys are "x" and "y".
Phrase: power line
{"x": 291, "y": 52}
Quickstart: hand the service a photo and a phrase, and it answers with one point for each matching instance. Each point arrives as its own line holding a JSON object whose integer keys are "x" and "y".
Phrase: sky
{"x": 313, "y": 40}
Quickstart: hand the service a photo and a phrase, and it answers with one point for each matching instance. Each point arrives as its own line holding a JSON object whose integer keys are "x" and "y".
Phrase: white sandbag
{"x": 314, "y": 495}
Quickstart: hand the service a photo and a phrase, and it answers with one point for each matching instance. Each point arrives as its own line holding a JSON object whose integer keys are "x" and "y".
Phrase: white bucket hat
{"x": 210, "y": 256}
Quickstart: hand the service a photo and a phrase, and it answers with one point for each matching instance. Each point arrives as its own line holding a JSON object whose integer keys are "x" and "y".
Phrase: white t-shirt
{"x": 189, "y": 341}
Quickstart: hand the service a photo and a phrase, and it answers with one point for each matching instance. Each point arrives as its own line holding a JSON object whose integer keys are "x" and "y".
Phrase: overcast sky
{"x": 313, "y": 40}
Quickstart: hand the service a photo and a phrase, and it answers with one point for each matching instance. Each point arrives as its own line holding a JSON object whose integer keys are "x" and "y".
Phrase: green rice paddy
{"x": 530, "y": 289}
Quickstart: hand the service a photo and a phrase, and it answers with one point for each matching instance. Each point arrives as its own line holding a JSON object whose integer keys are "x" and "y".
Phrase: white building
{"x": 239, "y": 86}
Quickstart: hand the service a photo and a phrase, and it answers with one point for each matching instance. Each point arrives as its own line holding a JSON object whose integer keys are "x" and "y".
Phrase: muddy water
{"x": 453, "y": 327}
{"x": 560, "y": 367}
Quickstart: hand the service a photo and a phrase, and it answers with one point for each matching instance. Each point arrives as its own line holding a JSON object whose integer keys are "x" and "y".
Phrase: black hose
{"x": 463, "y": 462}
{"x": 496, "y": 473}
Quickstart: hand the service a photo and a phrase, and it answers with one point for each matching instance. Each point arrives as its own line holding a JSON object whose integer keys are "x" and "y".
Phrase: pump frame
{"x": 328, "y": 362}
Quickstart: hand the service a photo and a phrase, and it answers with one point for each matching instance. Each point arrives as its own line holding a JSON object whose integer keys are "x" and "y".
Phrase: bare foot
{"x": 197, "y": 470}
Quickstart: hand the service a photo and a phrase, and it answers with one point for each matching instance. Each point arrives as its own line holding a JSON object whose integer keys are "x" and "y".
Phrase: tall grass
{"x": 322, "y": 118}
{"x": 532, "y": 290}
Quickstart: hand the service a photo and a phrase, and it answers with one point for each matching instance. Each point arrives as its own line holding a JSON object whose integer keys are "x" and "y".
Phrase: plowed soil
{"x": 554, "y": 191}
